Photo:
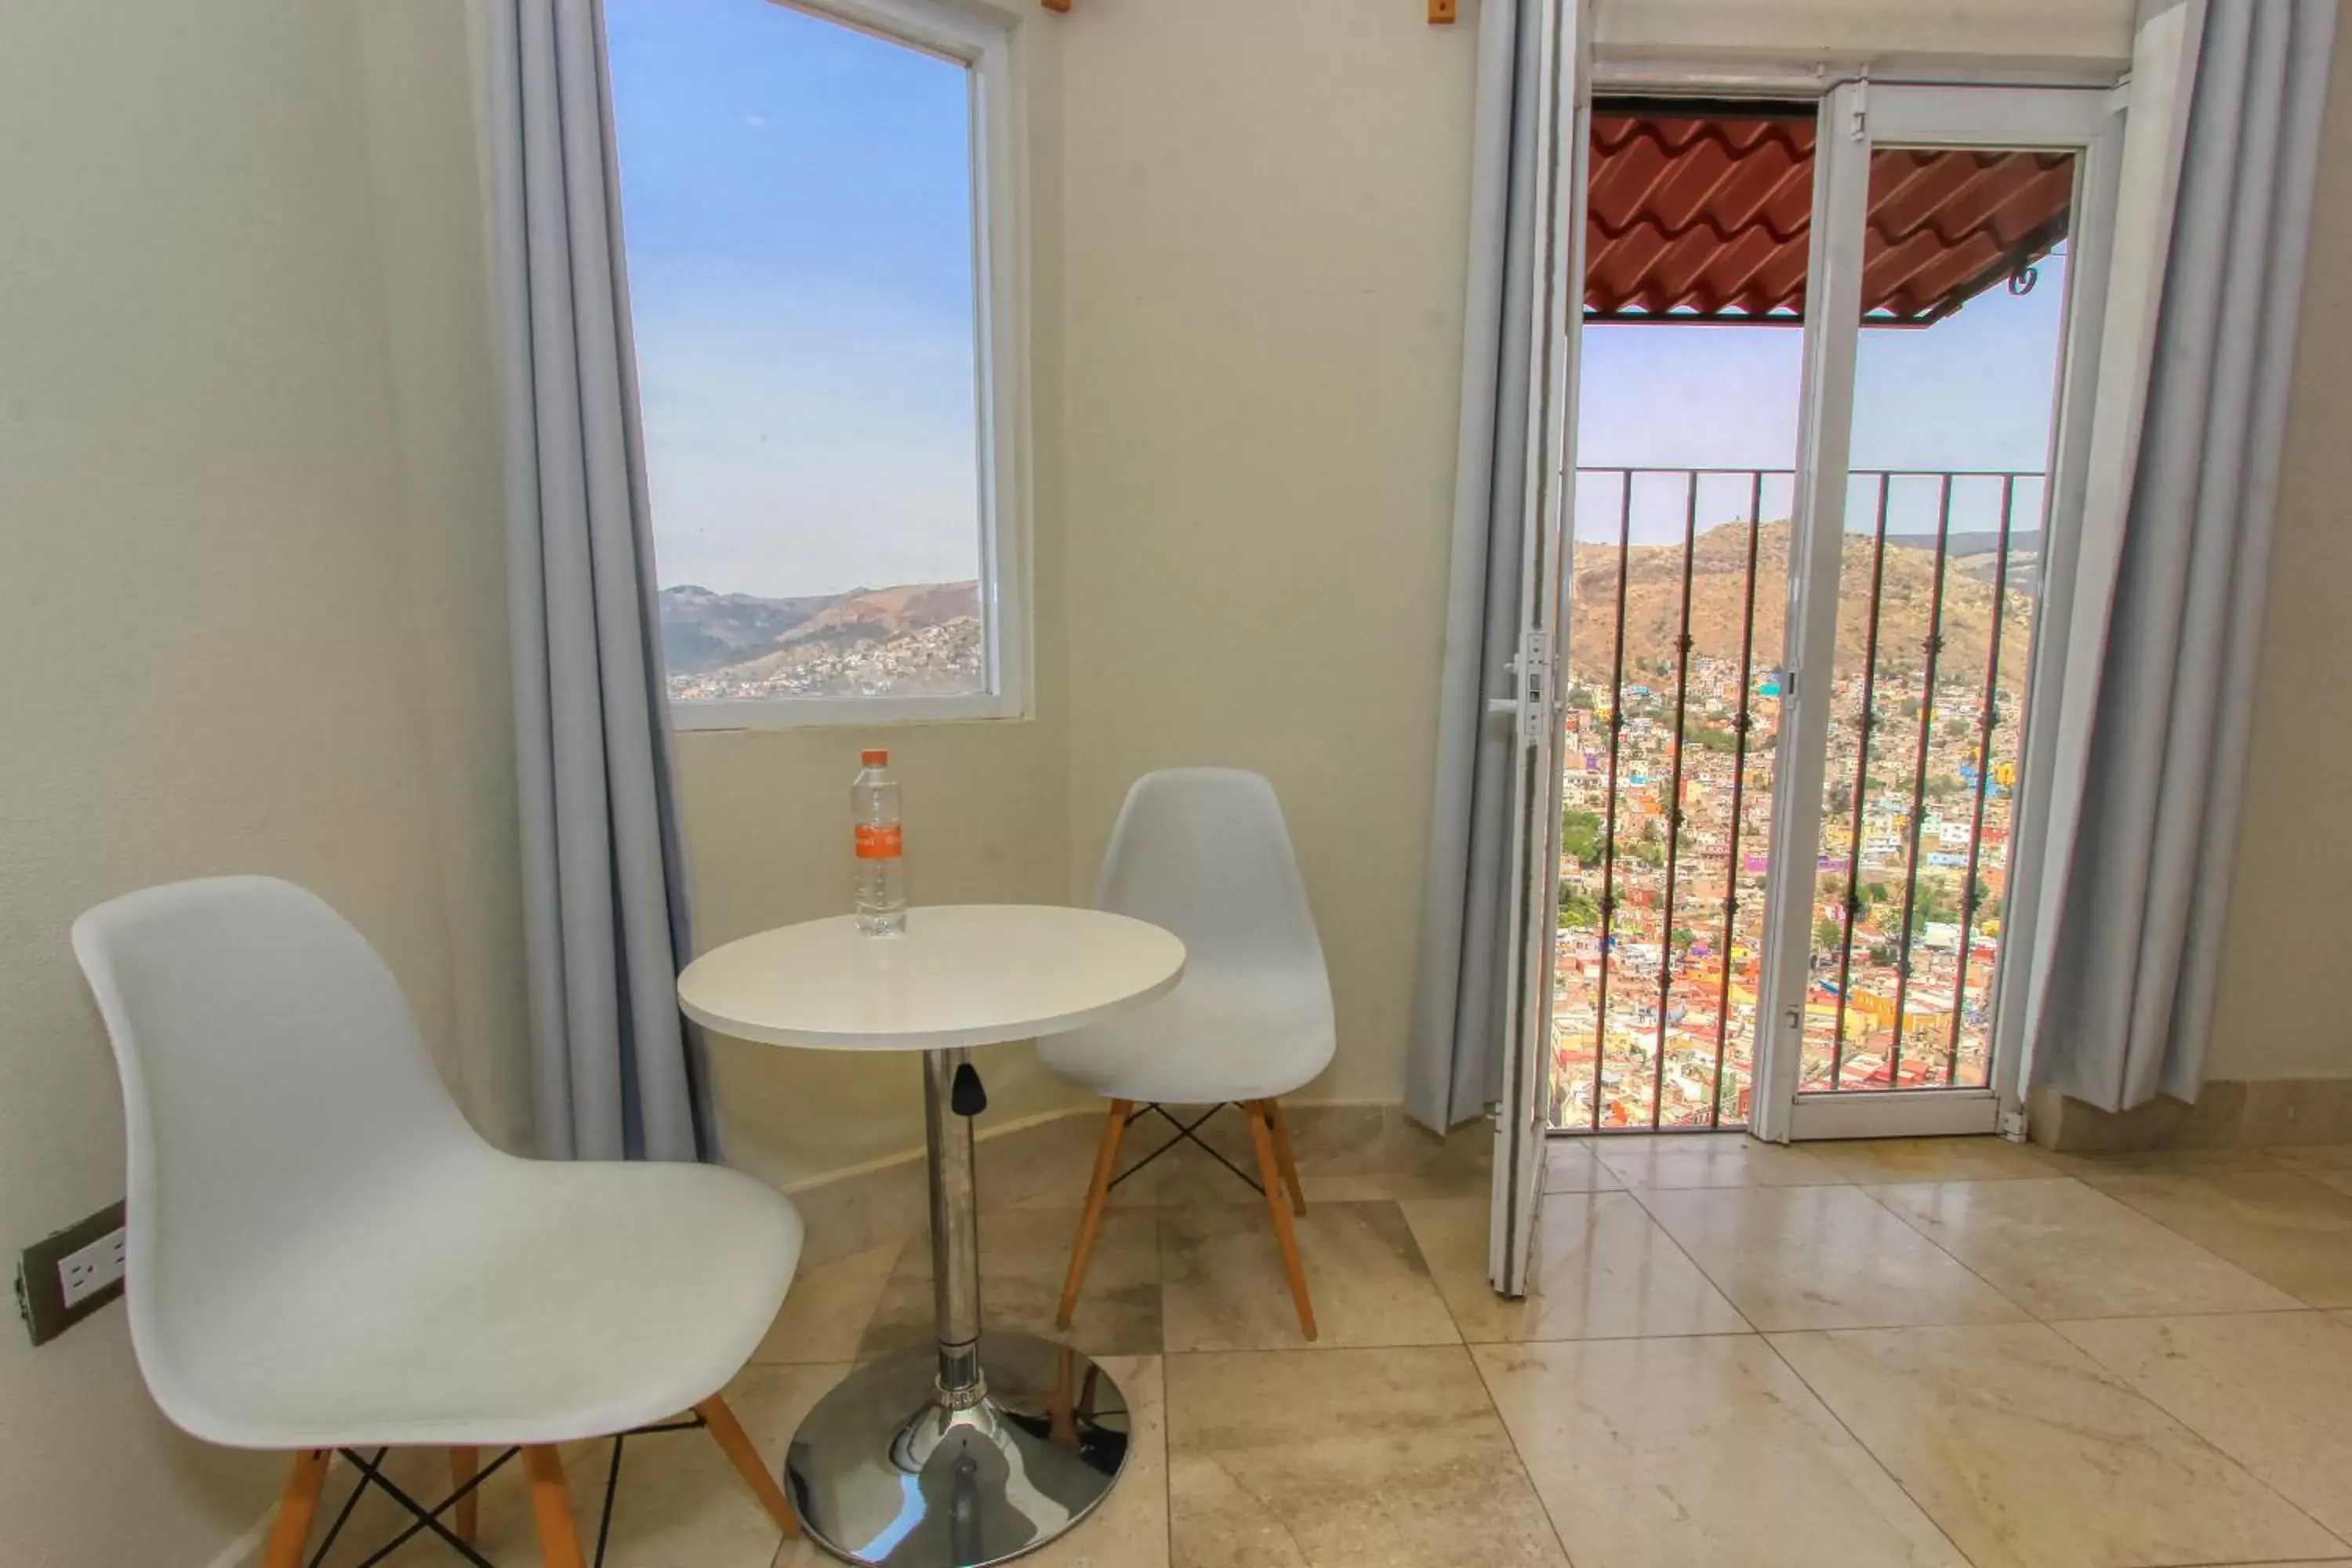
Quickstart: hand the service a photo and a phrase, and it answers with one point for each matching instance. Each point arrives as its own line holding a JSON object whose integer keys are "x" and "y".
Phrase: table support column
{"x": 955, "y": 1233}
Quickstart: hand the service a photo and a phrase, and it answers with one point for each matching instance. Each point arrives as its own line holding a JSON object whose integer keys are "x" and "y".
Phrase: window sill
{"x": 837, "y": 712}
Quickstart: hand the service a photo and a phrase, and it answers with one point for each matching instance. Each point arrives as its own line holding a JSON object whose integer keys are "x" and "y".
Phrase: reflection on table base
{"x": 883, "y": 1472}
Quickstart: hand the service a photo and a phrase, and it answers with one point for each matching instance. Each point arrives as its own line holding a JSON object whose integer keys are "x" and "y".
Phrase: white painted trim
{"x": 1808, "y": 646}
{"x": 986, "y": 39}
{"x": 1906, "y": 1113}
{"x": 1628, "y": 69}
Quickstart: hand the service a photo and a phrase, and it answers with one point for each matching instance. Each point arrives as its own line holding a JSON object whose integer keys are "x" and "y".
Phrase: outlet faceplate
{"x": 83, "y": 1274}
{"x": 64, "y": 1279}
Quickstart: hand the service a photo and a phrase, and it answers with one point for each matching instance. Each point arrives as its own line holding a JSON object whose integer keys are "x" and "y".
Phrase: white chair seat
{"x": 1217, "y": 1036}
{"x": 493, "y": 1302}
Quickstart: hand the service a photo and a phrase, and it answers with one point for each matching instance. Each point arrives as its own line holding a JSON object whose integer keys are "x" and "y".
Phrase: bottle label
{"x": 877, "y": 843}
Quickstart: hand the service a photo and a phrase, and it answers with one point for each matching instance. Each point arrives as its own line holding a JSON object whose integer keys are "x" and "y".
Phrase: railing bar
{"x": 1609, "y": 826}
{"x": 1858, "y": 473}
{"x": 1738, "y": 789}
{"x": 1674, "y": 798}
{"x": 1984, "y": 774}
{"x": 1860, "y": 789}
{"x": 1919, "y": 779}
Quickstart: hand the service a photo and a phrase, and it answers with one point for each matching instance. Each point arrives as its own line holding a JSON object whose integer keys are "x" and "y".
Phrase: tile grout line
{"x": 2131, "y": 1386}
{"x": 2269, "y": 1171}
{"x": 2121, "y": 1385}
{"x": 1900, "y": 1219}
{"x": 1527, "y": 1473}
{"x": 1855, "y": 1438}
{"x": 1712, "y": 1283}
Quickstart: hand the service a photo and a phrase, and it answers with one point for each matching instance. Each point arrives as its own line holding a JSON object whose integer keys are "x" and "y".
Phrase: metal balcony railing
{"x": 1671, "y": 755}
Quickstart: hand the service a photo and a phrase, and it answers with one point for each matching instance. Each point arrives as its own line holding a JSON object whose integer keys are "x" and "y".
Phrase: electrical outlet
{"x": 82, "y": 1275}
{"x": 65, "y": 1277}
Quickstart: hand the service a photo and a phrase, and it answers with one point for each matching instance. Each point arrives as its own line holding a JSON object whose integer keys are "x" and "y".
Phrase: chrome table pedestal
{"x": 974, "y": 1451}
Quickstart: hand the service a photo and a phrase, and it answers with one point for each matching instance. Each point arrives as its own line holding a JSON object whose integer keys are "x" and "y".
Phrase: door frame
{"x": 1855, "y": 117}
{"x": 1562, "y": 141}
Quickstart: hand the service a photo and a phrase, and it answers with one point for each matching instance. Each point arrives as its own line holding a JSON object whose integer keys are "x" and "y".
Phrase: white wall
{"x": 248, "y": 594}
{"x": 1264, "y": 262}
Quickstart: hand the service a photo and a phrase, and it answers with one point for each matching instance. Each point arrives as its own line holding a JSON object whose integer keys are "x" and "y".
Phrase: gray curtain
{"x": 1453, "y": 1065}
{"x": 616, "y": 1072}
{"x": 2131, "y": 969}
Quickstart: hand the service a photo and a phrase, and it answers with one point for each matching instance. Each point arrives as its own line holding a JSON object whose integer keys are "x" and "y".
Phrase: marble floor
{"x": 1926, "y": 1353}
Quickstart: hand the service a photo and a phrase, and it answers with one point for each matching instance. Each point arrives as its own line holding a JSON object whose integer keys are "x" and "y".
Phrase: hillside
{"x": 1654, "y": 598}
{"x": 914, "y": 638}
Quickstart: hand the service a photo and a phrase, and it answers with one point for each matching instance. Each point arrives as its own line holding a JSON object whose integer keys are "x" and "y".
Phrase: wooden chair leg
{"x": 1097, "y": 1194}
{"x": 1261, "y": 1121}
{"x": 1282, "y": 1157}
{"x": 298, "y": 1505}
{"x": 550, "y": 1508}
{"x": 463, "y": 1464}
{"x": 736, "y": 1444}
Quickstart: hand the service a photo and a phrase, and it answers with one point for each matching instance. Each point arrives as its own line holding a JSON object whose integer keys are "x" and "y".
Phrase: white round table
{"x": 990, "y": 1444}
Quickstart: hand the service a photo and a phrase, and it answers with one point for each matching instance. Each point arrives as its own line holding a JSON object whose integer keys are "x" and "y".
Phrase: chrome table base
{"x": 970, "y": 1452}
{"x": 884, "y": 1472}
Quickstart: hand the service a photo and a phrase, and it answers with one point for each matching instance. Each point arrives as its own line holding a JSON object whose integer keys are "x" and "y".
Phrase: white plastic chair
{"x": 1205, "y": 853}
{"x": 323, "y": 1255}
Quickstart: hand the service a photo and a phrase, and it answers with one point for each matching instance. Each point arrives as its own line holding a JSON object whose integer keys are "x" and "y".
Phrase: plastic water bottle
{"x": 881, "y": 866}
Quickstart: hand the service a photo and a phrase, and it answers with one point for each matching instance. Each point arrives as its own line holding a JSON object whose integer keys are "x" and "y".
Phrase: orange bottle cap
{"x": 873, "y": 757}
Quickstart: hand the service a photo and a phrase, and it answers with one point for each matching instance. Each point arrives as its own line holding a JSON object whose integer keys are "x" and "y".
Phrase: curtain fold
{"x": 616, "y": 1071}
{"x": 1453, "y": 1065}
{"x": 2126, "y": 957}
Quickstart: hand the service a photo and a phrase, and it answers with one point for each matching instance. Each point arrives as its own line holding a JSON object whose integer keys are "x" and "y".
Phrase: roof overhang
{"x": 1703, "y": 215}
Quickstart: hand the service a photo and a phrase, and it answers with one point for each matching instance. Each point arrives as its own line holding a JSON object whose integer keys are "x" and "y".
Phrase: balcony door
{"x": 1945, "y": 425}
{"x": 1848, "y": 346}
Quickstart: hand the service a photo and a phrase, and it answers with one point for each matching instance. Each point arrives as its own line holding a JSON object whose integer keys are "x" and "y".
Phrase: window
{"x": 821, "y": 285}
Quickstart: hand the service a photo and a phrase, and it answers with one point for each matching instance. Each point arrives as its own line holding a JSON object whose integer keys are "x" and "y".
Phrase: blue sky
{"x": 1972, "y": 392}
{"x": 796, "y": 202}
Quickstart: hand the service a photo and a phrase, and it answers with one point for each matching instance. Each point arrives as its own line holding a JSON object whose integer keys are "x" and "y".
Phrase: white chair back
{"x": 273, "y": 1085}
{"x": 1204, "y": 852}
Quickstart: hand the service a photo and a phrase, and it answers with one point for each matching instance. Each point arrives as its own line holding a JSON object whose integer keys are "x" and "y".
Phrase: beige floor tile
{"x": 1130, "y": 1528}
{"x": 1603, "y": 1270}
{"x": 680, "y": 1505}
{"x": 2280, "y": 1227}
{"x": 2162, "y": 1162}
{"x": 2314, "y": 1157}
{"x": 1708, "y": 1160}
{"x": 1025, "y": 1257}
{"x": 2339, "y": 1179}
{"x": 1866, "y": 1160}
{"x": 2029, "y": 1455}
{"x": 1701, "y": 1452}
{"x": 825, "y": 1315}
{"x": 2061, "y": 1249}
{"x": 1822, "y": 1257}
{"x": 1366, "y": 1459}
{"x": 1570, "y": 1165}
{"x": 1224, "y": 1288}
{"x": 2272, "y": 1389}
{"x": 1395, "y": 1186}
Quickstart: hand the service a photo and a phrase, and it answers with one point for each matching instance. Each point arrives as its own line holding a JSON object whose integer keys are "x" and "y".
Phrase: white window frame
{"x": 985, "y": 40}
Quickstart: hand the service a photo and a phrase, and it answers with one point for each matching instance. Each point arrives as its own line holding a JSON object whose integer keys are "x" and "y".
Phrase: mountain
{"x": 703, "y": 631}
{"x": 913, "y": 637}
{"x": 1718, "y": 573}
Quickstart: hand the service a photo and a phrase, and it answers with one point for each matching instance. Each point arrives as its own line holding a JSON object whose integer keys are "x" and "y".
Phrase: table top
{"x": 959, "y": 974}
